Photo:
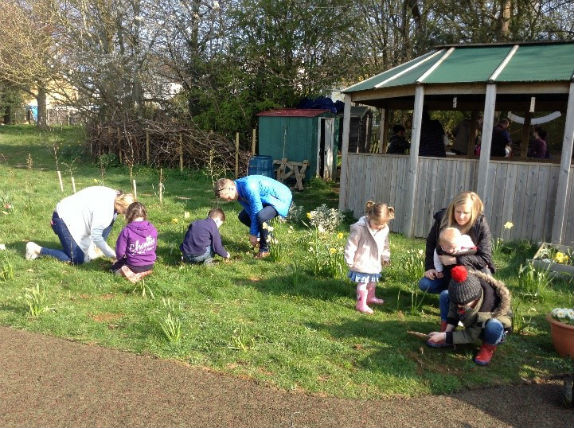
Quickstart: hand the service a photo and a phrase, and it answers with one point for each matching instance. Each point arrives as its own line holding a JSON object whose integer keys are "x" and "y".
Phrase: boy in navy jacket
{"x": 202, "y": 239}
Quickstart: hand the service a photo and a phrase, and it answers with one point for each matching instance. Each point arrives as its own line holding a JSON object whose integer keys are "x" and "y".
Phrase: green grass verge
{"x": 274, "y": 321}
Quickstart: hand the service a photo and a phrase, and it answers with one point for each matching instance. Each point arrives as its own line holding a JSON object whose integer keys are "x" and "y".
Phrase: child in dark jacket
{"x": 202, "y": 239}
{"x": 483, "y": 305}
{"x": 136, "y": 245}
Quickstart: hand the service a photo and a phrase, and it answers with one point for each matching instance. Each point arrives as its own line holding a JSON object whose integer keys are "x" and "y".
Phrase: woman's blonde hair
{"x": 135, "y": 210}
{"x": 124, "y": 200}
{"x": 222, "y": 185}
{"x": 379, "y": 213}
{"x": 476, "y": 210}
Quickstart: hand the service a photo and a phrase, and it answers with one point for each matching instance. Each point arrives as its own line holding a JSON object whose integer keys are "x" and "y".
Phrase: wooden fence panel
{"x": 521, "y": 192}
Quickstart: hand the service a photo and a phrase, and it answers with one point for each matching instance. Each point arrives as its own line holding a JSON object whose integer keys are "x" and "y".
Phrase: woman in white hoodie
{"x": 367, "y": 250}
{"x": 83, "y": 221}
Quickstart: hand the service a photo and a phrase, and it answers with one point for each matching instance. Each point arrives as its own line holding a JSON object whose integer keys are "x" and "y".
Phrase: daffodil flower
{"x": 508, "y": 225}
{"x": 560, "y": 257}
{"x": 340, "y": 235}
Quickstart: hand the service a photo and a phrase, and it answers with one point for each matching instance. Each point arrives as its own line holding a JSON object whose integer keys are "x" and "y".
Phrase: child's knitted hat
{"x": 464, "y": 287}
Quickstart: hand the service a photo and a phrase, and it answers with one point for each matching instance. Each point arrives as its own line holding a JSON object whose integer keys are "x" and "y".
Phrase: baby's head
{"x": 378, "y": 214}
{"x": 136, "y": 210}
{"x": 217, "y": 215}
{"x": 449, "y": 240}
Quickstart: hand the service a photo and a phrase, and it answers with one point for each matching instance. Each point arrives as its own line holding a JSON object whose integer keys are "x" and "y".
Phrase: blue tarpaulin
{"x": 322, "y": 103}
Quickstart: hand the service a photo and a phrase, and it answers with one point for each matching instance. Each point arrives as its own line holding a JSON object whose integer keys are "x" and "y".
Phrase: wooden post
{"x": 161, "y": 186}
{"x": 147, "y": 147}
{"x": 472, "y": 134}
{"x": 253, "y": 141}
{"x": 486, "y": 142}
{"x": 237, "y": 155}
{"x": 135, "y": 189}
{"x": 73, "y": 184}
{"x": 119, "y": 145}
{"x": 344, "y": 154}
{"x": 385, "y": 131}
{"x": 412, "y": 174}
{"x": 60, "y": 180}
{"x": 525, "y": 136}
{"x": 180, "y": 153}
{"x": 564, "y": 172}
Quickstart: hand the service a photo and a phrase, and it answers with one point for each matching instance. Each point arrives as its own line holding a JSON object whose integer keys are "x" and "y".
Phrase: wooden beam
{"x": 525, "y": 135}
{"x": 486, "y": 142}
{"x": 413, "y": 161}
{"x": 475, "y": 88}
{"x": 564, "y": 172}
{"x": 344, "y": 154}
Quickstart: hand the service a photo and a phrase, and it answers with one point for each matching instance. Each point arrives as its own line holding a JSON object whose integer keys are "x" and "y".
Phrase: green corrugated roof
{"x": 537, "y": 62}
{"x": 372, "y": 81}
{"x": 469, "y": 65}
{"x": 540, "y": 63}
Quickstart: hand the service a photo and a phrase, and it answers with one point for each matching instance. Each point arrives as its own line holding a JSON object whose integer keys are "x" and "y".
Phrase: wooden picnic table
{"x": 289, "y": 168}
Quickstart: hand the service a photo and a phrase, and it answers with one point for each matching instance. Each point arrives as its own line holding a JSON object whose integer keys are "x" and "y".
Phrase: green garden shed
{"x": 301, "y": 135}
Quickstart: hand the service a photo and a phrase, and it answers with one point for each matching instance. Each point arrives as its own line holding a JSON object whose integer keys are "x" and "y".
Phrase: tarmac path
{"x": 51, "y": 382}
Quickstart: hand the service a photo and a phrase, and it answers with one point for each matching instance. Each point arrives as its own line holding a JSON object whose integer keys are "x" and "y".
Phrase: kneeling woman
{"x": 83, "y": 221}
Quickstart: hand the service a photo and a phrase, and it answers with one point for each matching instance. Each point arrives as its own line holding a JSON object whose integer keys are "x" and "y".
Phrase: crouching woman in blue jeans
{"x": 262, "y": 199}
{"x": 465, "y": 212}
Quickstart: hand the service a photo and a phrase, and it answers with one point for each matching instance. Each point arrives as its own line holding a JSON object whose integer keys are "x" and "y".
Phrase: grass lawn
{"x": 289, "y": 322}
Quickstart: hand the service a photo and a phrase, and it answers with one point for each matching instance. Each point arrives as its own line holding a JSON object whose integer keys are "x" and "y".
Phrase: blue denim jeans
{"x": 435, "y": 286}
{"x": 70, "y": 252}
{"x": 205, "y": 258}
{"x": 493, "y": 332}
{"x": 266, "y": 214}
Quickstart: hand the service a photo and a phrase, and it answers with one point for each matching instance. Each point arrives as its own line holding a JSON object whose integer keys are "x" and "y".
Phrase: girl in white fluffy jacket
{"x": 366, "y": 252}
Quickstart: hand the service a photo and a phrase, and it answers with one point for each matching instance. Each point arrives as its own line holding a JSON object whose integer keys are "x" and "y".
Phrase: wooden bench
{"x": 289, "y": 168}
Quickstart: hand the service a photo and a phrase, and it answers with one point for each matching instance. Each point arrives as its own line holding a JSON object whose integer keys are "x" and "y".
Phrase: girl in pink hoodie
{"x": 366, "y": 252}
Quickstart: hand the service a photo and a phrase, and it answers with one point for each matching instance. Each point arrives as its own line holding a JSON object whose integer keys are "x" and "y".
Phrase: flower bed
{"x": 556, "y": 258}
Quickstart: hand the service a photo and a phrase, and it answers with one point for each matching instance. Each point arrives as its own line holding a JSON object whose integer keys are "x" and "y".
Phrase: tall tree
{"x": 108, "y": 52}
{"x": 29, "y": 57}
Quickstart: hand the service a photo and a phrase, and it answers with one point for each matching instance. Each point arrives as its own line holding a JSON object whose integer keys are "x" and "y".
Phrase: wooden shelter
{"x": 537, "y": 197}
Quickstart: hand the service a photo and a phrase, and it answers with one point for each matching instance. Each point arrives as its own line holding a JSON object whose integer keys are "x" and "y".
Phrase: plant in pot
{"x": 562, "y": 330}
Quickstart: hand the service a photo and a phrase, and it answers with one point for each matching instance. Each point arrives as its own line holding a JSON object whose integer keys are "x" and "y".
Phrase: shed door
{"x": 326, "y": 148}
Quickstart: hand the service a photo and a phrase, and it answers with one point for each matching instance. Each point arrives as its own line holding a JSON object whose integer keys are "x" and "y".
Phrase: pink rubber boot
{"x": 371, "y": 298}
{"x": 362, "y": 299}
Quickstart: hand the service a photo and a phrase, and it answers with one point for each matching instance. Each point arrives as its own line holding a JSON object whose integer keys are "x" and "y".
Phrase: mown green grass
{"x": 273, "y": 321}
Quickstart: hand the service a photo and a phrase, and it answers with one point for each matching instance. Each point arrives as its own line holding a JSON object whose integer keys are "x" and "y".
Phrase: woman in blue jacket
{"x": 262, "y": 198}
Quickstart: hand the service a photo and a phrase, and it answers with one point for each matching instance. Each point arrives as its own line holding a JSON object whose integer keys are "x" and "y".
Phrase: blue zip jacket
{"x": 257, "y": 191}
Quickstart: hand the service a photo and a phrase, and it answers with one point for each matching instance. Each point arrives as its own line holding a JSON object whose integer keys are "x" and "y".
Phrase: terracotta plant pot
{"x": 562, "y": 337}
